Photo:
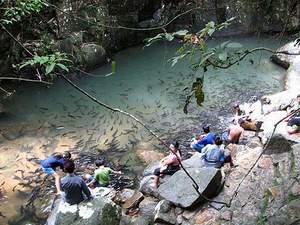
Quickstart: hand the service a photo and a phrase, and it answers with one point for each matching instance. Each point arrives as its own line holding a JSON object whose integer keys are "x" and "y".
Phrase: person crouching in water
{"x": 215, "y": 156}
{"x": 168, "y": 165}
{"x": 75, "y": 189}
{"x": 101, "y": 176}
{"x": 50, "y": 164}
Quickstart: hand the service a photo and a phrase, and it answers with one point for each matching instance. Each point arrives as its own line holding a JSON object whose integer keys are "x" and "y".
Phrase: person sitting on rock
{"x": 73, "y": 186}
{"x": 101, "y": 176}
{"x": 168, "y": 165}
{"x": 234, "y": 133}
{"x": 215, "y": 156}
{"x": 294, "y": 121}
{"x": 202, "y": 140}
{"x": 50, "y": 164}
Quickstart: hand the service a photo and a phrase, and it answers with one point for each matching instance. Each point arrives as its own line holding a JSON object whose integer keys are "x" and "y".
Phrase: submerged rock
{"x": 179, "y": 189}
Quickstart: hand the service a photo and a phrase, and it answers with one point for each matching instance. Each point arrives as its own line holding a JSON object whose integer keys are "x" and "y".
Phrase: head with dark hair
{"x": 218, "y": 140}
{"x": 175, "y": 147}
{"x": 69, "y": 166}
{"x": 206, "y": 129}
{"x": 67, "y": 155}
{"x": 99, "y": 162}
{"x": 298, "y": 98}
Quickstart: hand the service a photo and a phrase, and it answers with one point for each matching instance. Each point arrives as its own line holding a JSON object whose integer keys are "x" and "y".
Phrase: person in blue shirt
{"x": 202, "y": 140}
{"x": 215, "y": 156}
{"x": 50, "y": 164}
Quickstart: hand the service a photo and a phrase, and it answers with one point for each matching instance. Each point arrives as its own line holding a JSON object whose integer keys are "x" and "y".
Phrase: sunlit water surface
{"x": 44, "y": 120}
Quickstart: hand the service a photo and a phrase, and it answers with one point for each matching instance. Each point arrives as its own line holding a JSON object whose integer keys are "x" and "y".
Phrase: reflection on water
{"x": 44, "y": 120}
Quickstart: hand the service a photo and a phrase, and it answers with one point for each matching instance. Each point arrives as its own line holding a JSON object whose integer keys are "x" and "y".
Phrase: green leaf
{"x": 63, "y": 67}
{"x": 205, "y": 58}
{"x": 234, "y": 45}
{"x": 181, "y": 33}
{"x": 223, "y": 56}
{"x": 211, "y": 31}
{"x": 169, "y": 37}
{"x": 50, "y": 68}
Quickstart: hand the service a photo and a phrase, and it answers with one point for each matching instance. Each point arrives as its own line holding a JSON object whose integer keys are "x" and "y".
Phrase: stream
{"x": 42, "y": 120}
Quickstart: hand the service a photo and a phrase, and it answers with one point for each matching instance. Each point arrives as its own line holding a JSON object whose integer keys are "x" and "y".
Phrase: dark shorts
{"x": 294, "y": 121}
{"x": 169, "y": 171}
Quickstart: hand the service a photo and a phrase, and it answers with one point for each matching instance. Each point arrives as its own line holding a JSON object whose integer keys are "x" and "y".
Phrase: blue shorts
{"x": 48, "y": 171}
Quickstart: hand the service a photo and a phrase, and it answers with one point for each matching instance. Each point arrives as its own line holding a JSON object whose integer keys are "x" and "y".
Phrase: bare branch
{"x": 26, "y": 80}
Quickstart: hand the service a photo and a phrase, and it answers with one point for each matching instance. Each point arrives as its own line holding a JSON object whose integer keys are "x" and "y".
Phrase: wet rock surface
{"x": 179, "y": 190}
{"x": 99, "y": 210}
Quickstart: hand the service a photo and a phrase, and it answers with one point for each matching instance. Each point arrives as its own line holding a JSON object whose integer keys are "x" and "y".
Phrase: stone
{"x": 164, "y": 213}
{"x": 274, "y": 191}
{"x": 125, "y": 195}
{"x": 147, "y": 206}
{"x": 99, "y": 211}
{"x": 149, "y": 156}
{"x": 179, "y": 189}
{"x": 134, "y": 200}
{"x": 179, "y": 219}
{"x": 93, "y": 55}
{"x": 187, "y": 214}
{"x": 204, "y": 217}
{"x": 286, "y": 60}
{"x": 296, "y": 189}
{"x": 227, "y": 215}
{"x": 150, "y": 169}
{"x": 265, "y": 162}
{"x": 146, "y": 186}
{"x": 139, "y": 220}
{"x": 193, "y": 162}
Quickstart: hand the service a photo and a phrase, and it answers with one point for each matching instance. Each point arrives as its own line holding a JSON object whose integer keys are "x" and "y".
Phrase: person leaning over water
{"x": 50, "y": 164}
{"x": 101, "y": 175}
{"x": 202, "y": 140}
{"x": 168, "y": 165}
{"x": 215, "y": 156}
{"x": 73, "y": 186}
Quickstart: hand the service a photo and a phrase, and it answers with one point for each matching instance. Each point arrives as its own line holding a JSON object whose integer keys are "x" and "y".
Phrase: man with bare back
{"x": 234, "y": 133}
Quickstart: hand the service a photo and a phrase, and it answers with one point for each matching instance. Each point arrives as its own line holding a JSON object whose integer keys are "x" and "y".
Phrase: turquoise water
{"x": 145, "y": 85}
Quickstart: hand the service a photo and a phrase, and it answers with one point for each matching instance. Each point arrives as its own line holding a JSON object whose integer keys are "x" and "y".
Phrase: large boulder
{"x": 98, "y": 211}
{"x": 286, "y": 60}
{"x": 194, "y": 162}
{"x": 179, "y": 189}
{"x": 93, "y": 55}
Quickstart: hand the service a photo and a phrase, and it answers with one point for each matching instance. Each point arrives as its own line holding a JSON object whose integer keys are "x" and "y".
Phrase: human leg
{"x": 57, "y": 182}
{"x": 293, "y": 125}
{"x": 156, "y": 177}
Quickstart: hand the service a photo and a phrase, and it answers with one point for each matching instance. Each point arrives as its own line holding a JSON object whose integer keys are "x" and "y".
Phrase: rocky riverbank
{"x": 270, "y": 194}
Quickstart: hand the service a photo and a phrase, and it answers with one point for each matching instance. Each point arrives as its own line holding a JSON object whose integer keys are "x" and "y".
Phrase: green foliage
{"x": 48, "y": 63}
{"x": 197, "y": 91}
{"x": 20, "y": 9}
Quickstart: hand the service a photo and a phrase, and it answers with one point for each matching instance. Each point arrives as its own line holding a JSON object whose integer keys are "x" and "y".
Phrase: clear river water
{"x": 41, "y": 120}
